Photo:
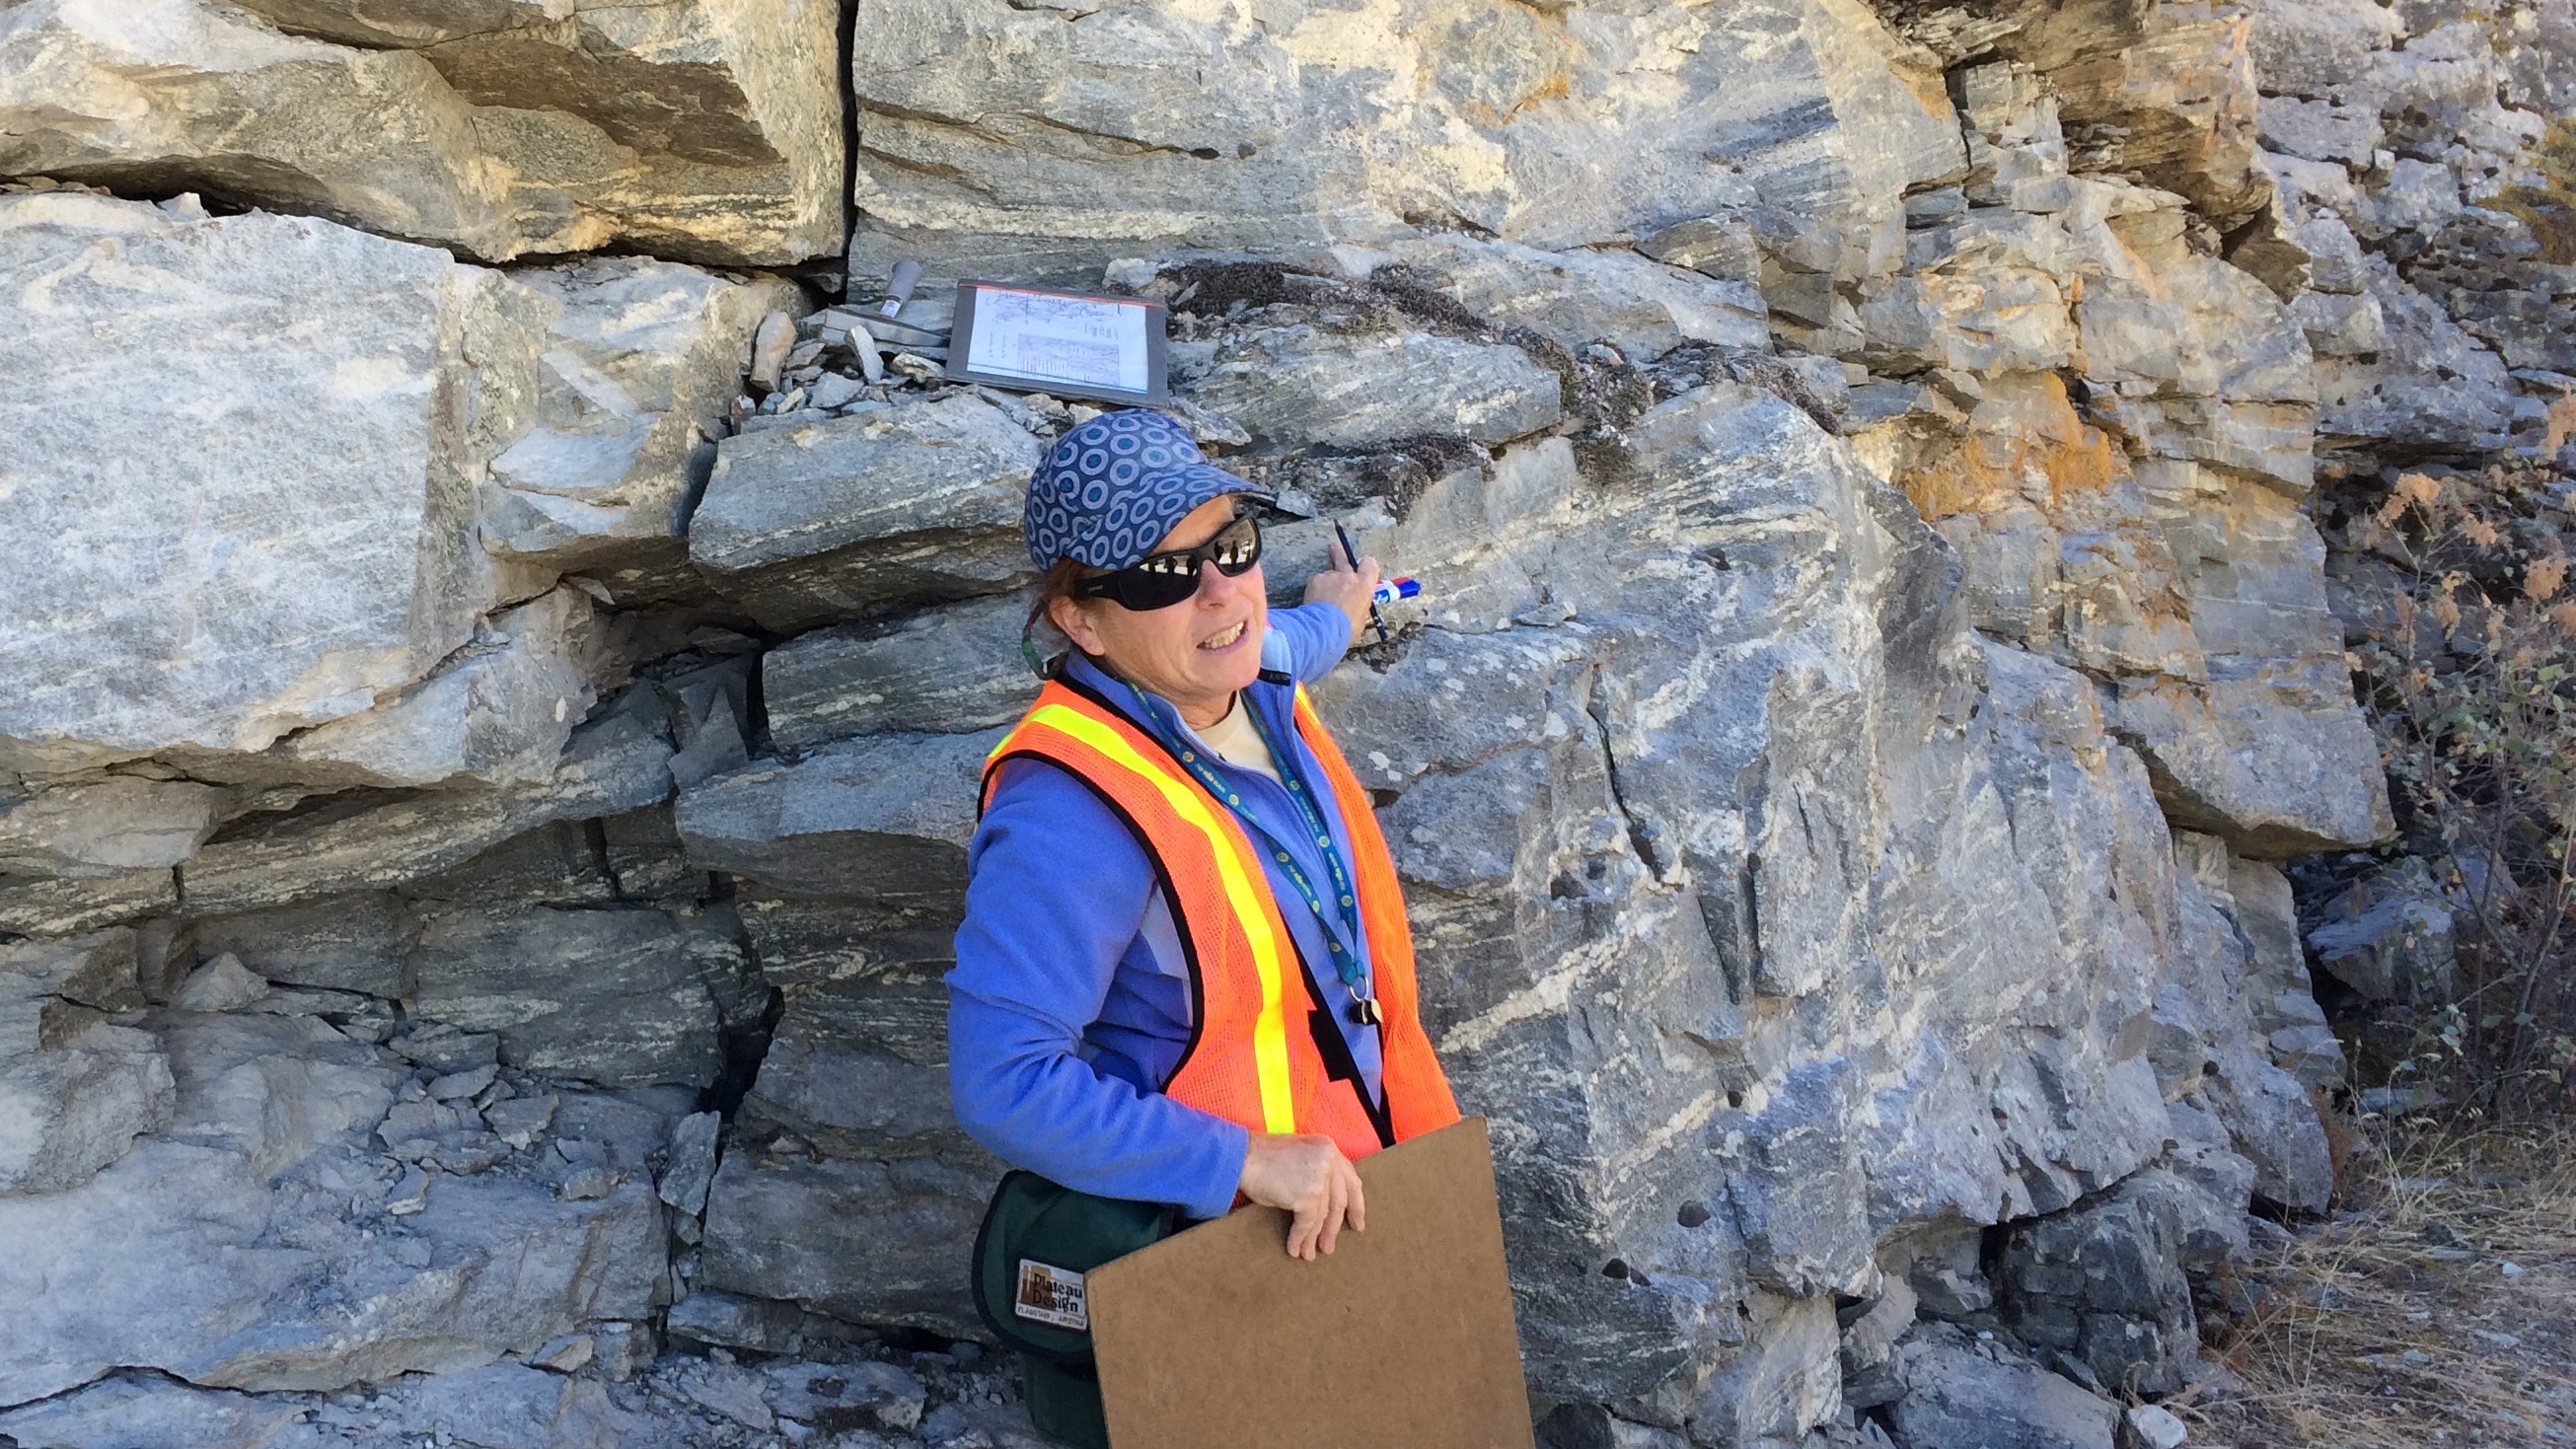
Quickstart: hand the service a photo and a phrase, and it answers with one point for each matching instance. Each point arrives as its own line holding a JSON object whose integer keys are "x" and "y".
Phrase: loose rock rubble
{"x": 584, "y": 1392}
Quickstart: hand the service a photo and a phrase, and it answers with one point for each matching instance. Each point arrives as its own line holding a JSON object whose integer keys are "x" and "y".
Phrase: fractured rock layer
{"x": 708, "y": 130}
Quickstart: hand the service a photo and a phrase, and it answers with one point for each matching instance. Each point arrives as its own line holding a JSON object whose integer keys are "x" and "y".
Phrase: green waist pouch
{"x": 1038, "y": 1240}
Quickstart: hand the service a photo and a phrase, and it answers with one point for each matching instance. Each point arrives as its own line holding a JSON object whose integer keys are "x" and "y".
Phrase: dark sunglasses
{"x": 1161, "y": 580}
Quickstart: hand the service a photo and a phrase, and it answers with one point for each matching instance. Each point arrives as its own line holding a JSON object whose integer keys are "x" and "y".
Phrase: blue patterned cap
{"x": 1109, "y": 490}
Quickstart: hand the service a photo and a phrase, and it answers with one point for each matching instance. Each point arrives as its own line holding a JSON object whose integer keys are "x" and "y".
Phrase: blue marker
{"x": 1395, "y": 589}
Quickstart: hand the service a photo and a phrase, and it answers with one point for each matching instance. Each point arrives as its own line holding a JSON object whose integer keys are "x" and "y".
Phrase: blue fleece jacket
{"x": 1069, "y": 1004}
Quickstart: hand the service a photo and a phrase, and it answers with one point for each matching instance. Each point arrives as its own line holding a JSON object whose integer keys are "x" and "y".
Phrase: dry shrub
{"x": 2396, "y": 1324}
{"x": 2561, "y": 422}
{"x": 2476, "y": 703}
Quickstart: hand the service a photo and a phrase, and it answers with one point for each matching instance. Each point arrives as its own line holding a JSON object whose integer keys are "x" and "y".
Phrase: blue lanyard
{"x": 1346, "y": 961}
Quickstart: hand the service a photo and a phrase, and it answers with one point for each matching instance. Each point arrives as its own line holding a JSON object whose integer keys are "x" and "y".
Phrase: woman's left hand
{"x": 1346, "y": 583}
{"x": 1306, "y": 1176}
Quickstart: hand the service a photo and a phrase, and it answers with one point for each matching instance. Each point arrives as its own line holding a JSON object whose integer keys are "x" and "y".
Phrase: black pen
{"x": 1376, "y": 621}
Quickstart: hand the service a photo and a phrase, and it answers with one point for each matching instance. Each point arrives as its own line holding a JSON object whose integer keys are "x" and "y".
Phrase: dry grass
{"x": 2396, "y": 1324}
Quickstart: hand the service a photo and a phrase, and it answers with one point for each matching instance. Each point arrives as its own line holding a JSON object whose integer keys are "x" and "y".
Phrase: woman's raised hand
{"x": 1347, "y": 583}
{"x": 1306, "y": 1175}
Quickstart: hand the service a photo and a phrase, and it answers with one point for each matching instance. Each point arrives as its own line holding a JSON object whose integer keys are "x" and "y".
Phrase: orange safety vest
{"x": 1261, "y": 1029}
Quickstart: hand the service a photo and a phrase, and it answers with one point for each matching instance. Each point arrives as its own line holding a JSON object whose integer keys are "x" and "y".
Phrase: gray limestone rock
{"x": 2227, "y": 335}
{"x": 2319, "y": 129}
{"x": 2389, "y": 937}
{"x": 1800, "y": 1208}
{"x": 2152, "y": 1426}
{"x": 867, "y": 1242}
{"x": 2314, "y": 47}
{"x": 2273, "y": 1122}
{"x": 222, "y": 984}
{"x": 2432, "y": 383}
{"x": 1591, "y": 1426}
{"x": 890, "y": 1397}
{"x": 2335, "y": 265}
{"x": 1493, "y": 545}
{"x": 2281, "y": 997}
{"x": 727, "y": 1390}
{"x": 553, "y": 865}
{"x": 519, "y": 1120}
{"x": 497, "y": 712}
{"x": 196, "y": 95}
{"x": 882, "y": 819}
{"x": 710, "y": 718}
{"x": 615, "y": 763}
{"x": 467, "y": 1083}
{"x": 1871, "y": 1331}
{"x": 366, "y": 571}
{"x": 1722, "y": 246}
{"x": 443, "y": 1047}
{"x": 952, "y": 668}
{"x": 2103, "y": 1283}
{"x": 2339, "y": 325}
{"x": 646, "y": 860}
{"x": 146, "y": 1408}
{"x": 1943, "y": 1264}
{"x": 610, "y": 996}
{"x": 355, "y": 942}
{"x": 99, "y": 972}
{"x": 640, "y": 363}
{"x": 807, "y": 939}
{"x": 1562, "y": 840}
{"x": 903, "y": 505}
{"x": 2270, "y": 751}
{"x": 1786, "y": 1378}
{"x": 1960, "y": 1392}
{"x": 1299, "y": 385}
{"x": 760, "y": 1324}
{"x": 513, "y": 1406}
{"x": 707, "y": 129}
{"x": 232, "y": 1250}
{"x": 108, "y": 827}
{"x": 48, "y": 907}
{"x": 75, "y": 1091}
{"x": 2277, "y": 760}
{"x": 1971, "y": 319}
{"x": 982, "y": 118}
{"x": 718, "y": 947}
{"x": 1637, "y": 305}
{"x": 860, "y": 1068}
{"x": 693, "y": 1162}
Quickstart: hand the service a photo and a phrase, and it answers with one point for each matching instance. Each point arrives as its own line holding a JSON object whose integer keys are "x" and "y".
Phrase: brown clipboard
{"x": 1401, "y": 1339}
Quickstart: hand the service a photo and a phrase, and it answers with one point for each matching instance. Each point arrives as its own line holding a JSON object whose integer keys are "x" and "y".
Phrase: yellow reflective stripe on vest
{"x": 1270, "y": 1031}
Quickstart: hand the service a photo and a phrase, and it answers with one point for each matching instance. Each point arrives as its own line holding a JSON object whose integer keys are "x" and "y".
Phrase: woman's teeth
{"x": 1224, "y": 640}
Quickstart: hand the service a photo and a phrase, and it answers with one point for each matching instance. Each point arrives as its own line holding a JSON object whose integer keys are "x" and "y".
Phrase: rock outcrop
{"x": 489, "y": 727}
{"x": 708, "y": 130}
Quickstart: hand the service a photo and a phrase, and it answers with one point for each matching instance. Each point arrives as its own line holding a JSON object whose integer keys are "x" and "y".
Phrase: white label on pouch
{"x": 1049, "y": 1294}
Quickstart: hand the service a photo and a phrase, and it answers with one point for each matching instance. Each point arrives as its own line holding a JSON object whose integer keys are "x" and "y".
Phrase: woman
{"x": 1184, "y": 975}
